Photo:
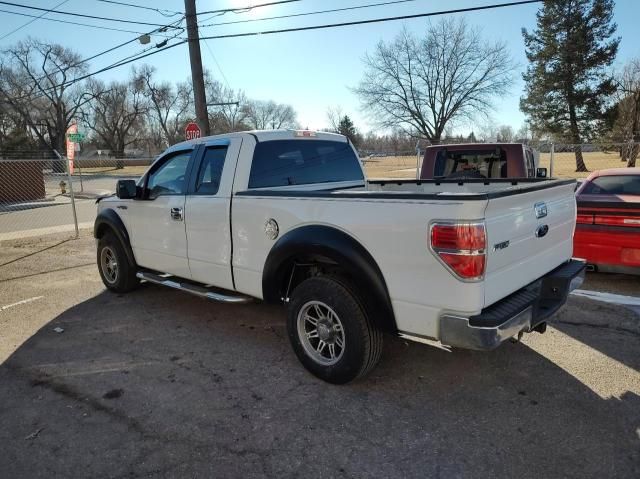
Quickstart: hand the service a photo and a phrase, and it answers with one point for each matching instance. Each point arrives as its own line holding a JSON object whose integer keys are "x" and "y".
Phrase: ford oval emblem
{"x": 541, "y": 209}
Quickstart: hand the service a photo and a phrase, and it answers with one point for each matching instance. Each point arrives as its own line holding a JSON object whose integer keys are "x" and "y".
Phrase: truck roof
{"x": 477, "y": 146}
{"x": 263, "y": 135}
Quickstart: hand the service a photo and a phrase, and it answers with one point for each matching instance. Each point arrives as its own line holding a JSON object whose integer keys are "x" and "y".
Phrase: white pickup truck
{"x": 289, "y": 217}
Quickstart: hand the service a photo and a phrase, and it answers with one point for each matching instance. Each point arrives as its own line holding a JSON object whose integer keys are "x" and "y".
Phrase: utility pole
{"x": 197, "y": 76}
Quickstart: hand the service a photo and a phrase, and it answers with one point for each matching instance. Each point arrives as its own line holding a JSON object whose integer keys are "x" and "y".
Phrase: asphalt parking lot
{"x": 158, "y": 383}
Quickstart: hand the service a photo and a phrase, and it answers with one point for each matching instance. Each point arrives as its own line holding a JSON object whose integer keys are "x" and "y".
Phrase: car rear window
{"x": 613, "y": 185}
{"x": 488, "y": 163}
{"x": 303, "y": 162}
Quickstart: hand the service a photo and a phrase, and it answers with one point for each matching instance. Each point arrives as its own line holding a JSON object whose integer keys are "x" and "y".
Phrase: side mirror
{"x": 541, "y": 172}
{"x": 126, "y": 189}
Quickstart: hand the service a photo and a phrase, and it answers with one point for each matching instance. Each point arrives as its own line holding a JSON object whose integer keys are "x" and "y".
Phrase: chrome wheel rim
{"x": 109, "y": 264}
{"x": 321, "y": 333}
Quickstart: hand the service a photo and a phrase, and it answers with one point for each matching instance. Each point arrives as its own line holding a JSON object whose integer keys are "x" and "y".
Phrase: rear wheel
{"x": 115, "y": 270}
{"x": 330, "y": 332}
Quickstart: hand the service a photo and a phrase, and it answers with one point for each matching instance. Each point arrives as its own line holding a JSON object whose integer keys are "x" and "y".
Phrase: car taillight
{"x": 461, "y": 247}
{"x": 616, "y": 220}
{"x": 584, "y": 219}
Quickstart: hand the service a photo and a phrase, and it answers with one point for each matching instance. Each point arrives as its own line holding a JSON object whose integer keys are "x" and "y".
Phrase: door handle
{"x": 176, "y": 214}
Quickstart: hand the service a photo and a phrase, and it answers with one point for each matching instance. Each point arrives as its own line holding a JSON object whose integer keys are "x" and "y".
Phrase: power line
{"x": 373, "y": 20}
{"x": 213, "y": 57}
{"x": 307, "y": 13}
{"x": 104, "y": 52}
{"x": 161, "y": 11}
{"x": 31, "y": 21}
{"x": 94, "y": 17}
{"x": 287, "y": 30}
{"x": 109, "y": 50}
{"x": 246, "y": 9}
{"x": 118, "y": 64}
{"x": 69, "y": 22}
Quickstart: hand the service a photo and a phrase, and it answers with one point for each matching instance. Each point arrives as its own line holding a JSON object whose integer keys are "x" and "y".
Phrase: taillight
{"x": 583, "y": 219}
{"x": 461, "y": 247}
{"x": 616, "y": 220}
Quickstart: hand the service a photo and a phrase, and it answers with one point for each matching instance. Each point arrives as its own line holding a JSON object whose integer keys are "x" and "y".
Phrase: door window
{"x": 169, "y": 177}
{"x": 211, "y": 170}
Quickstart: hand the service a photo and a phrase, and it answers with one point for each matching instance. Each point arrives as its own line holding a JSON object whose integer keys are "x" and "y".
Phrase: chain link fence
{"x": 43, "y": 193}
{"x": 578, "y": 161}
{"x": 391, "y": 164}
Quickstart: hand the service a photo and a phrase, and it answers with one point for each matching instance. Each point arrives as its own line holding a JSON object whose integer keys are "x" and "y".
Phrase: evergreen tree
{"x": 567, "y": 80}
{"x": 348, "y": 129}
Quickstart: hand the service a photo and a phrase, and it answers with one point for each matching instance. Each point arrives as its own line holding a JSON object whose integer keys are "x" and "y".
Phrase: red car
{"x": 608, "y": 224}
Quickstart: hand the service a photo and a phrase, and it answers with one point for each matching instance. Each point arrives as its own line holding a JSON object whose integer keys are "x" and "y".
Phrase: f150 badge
{"x": 499, "y": 246}
{"x": 541, "y": 210}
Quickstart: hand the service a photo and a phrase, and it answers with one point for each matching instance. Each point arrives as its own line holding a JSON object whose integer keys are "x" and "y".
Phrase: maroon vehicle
{"x": 480, "y": 160}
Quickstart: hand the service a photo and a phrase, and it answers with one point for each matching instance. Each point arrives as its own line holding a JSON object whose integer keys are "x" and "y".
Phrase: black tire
{"x": 361, "y": 341}
{"x": 124, "y": 279}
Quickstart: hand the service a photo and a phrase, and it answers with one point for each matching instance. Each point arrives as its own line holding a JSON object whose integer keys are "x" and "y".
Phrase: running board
{"x": 187, "y": 287}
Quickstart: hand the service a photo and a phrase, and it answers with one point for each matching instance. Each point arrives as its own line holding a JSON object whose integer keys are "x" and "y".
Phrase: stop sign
{"x": 192, "y": 131}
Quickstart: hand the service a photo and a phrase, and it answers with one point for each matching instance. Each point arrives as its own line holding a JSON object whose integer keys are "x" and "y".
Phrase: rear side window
{"x": 613, "y": 185}
{"x": 488, "y": 163}
{"x": 211, "y": 170}
{"x": 303, "y": 162}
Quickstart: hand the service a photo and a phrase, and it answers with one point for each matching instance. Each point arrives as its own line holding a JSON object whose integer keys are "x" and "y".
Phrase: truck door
{"x": 156, "y": 222}
{"x": 208, "y": 213}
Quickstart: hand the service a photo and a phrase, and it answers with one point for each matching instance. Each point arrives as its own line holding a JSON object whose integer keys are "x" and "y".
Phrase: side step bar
{"x": 192, "y": 288}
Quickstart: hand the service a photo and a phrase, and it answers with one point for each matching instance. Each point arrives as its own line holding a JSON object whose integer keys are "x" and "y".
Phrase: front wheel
{"x": 330, "y": 332}
{"x": 115, "y": 270}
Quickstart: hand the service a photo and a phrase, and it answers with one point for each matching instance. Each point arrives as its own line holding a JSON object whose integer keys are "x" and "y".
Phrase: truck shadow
{"x": 174, "y": 385}
{"x": 608, "y": 328}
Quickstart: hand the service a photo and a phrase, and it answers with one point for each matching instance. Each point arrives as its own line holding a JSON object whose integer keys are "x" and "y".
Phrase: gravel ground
{"x": 158, "y": 383}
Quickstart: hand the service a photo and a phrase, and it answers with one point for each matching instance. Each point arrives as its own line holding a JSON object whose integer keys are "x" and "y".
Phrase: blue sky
{"x": 309, "y": 70}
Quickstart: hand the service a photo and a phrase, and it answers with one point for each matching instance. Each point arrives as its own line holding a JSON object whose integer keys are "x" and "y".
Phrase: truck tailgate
{"x": 528, "y": 235}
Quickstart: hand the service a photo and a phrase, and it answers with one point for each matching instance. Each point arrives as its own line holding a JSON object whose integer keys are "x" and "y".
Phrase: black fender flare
{"x": 353, "y": 258}
{"x": 108, "y": 219}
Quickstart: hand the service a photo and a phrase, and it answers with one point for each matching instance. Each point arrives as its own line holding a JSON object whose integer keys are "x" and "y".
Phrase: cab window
{"x": 303, "y": 162}
{"x": 210, "y": 172}
{"x": 483, "y": 163}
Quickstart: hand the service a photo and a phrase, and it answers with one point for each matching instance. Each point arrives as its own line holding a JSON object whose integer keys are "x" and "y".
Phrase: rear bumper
{"x": 611, "y": 249}
{"x": 520, "y": 312}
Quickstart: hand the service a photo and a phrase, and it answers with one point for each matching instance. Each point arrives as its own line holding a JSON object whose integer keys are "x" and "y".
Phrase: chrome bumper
{"x": 520, "y": 312}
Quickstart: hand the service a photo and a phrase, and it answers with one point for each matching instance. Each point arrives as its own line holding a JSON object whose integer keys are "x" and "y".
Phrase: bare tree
{"x": 265, "y": 115}
{"x": 231, "y": 115}
{"x": 628, "y": 111}
{"x": 170, "y": 106}
{"x": 505, "y": 134}
{"x": 116, "y": 114}
{"x": 334, "y": 115}
{"x": 425, "y": 84}
{"x": 36, "y": 83}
